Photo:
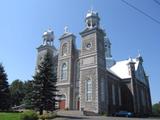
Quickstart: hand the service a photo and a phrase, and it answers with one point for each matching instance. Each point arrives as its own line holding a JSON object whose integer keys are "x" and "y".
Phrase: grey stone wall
{"x": 69, "y": 58}
{"x": 93, "y": 104}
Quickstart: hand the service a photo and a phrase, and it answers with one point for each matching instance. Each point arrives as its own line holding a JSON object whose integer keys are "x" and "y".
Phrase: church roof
{"x": 120, "y": 68}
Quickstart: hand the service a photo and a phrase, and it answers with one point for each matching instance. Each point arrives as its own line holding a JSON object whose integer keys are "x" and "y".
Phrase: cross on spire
{"x": 91, "y": 8}
{"x": 66, "y": 29}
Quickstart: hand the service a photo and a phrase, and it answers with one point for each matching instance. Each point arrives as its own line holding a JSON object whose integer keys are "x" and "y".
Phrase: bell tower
{"x": 92, "y": 20}
{"x": 46, "y": 46}
{"x": 92, "y": 66}
{"x": 48, "y": 37}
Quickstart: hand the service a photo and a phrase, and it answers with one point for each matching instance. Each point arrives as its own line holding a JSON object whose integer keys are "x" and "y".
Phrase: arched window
{"x": 143, "y": 98}
{"x": 62, "y": 97}
{"x": 64, "y": 49}
{"x": 89, "y": 90}
{"x": 113, "y": 95}
{"x": 102, "y": 90}
{"x": 119, "y": 94}
{"x": 78, "y": 70}
{"x": 64, "y": 72}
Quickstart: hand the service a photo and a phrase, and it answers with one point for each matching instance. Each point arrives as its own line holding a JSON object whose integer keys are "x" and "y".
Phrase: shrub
{"x": 66, "y": 109}
{"x": 104, "y": 114}
{"x": 29, "y": 115}
{"x": 47, "y": 116}
{"x": 156, "y": 109}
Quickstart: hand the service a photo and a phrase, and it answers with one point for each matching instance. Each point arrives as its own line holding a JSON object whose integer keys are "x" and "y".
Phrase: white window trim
{"x": 62, "y": 72}
{"x": 88, "y": 92}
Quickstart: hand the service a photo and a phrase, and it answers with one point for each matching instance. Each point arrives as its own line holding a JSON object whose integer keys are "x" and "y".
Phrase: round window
{"x": 88, "y": 45}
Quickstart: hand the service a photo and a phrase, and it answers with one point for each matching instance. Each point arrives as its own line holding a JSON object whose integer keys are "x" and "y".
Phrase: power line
{"x": 137, "y": 9}
{"x": 156, "y": 1}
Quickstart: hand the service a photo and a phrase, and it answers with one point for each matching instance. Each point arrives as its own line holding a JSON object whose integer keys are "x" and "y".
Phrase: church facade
{"x": 89, "y": 79}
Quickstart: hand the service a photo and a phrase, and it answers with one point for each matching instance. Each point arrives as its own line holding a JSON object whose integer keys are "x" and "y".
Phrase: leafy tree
{"x": 28, "y": 88}
{"x": 156, "y": 108}
{"x": 17, "y": 92}
{"x": 4, "y": 90}
{"x": 21, "y": 92}
{"x": 44, "y": 89}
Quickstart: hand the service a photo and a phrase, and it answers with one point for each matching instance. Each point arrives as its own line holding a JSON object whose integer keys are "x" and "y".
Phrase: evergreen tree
{"x": 44, "y": 86}
{"x": 4, "y": 90}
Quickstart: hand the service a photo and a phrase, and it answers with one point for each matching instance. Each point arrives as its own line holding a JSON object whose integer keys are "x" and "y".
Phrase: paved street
{"x": 77, "y": 115}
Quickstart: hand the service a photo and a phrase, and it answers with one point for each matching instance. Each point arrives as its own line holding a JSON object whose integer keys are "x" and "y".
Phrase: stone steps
{"x": 70, "y": 113}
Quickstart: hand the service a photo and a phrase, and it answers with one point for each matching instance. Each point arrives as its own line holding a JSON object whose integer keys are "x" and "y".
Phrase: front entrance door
{"x": 77, "y": 102}
{"x": 62, "y": 102}
{"x": 78, "y": 105}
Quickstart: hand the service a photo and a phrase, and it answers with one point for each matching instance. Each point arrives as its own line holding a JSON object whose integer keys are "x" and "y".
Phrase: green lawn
{"x": 9, "y": 116}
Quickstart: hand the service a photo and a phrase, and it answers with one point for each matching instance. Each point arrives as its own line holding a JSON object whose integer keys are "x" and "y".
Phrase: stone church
{"x": 89, "y": 79}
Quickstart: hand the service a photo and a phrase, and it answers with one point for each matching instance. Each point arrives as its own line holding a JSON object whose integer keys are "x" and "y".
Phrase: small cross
{"x": 91, "y": 8}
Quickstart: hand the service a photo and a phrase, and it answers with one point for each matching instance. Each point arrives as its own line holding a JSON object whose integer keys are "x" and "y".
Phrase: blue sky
{"x": 22, "y": 24}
